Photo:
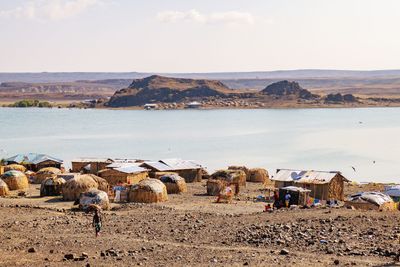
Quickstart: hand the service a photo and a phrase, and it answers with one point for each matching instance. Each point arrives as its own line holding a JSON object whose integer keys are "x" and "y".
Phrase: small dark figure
{"x": 97, "y": 222}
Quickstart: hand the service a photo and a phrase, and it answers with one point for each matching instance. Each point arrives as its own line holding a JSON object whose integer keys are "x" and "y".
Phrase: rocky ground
{"x": 191, "y": 229}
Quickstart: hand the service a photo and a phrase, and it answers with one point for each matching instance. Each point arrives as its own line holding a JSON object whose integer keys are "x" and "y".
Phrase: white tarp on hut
{"x": 376, "y": 198}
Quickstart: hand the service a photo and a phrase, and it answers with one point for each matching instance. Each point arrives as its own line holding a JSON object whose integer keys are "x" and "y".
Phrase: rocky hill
{"x": 286, "y": 88}
{"x": 156, "y": 88}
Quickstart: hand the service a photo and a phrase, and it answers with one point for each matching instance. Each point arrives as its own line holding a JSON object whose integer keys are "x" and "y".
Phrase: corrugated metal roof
{"x": 88, "y": 160}
{"x": 131, "y": 169}
{"x": 32, "y": 158}
{"x": 122, "y": 165}
{"x": 306, "y": 177}
{"x": 159, "y": 166}
{"x": 180, "y": 164}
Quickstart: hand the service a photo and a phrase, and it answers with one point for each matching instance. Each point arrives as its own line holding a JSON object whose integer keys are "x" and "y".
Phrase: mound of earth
{"x": 287, "y": 88}
{"x": 340, "y": 98}
{"x": 166, "y": 90}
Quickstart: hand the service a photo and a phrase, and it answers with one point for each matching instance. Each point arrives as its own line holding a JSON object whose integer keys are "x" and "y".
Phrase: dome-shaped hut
{"x": 14, "y": 167}
{"x": 258, "y": 175}
{"x": 174, "y": 183}
{"x": 230, "y": 176}
{"x": 103, "y": 185}
{"x": 215, "y": 187}
{"x": 73, "y": 188}
{"x": 4, "y": 191}
{"x": 148, "y": 191}
{"x": 45, "y": 173}
{"x": 15, "y": 180}
{"x": 52, "y": 186}
{"x": 241, "y": 168}
{"x": 94, "y": 197}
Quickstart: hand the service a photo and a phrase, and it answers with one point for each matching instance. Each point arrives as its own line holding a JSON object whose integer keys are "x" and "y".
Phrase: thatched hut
{"x": 215, "y": 187}
{"x": 241, "y": 168}
{"x": 15, "y": 180}
{"x": 148, "y": 191}
{"x": 126, "y": 175}
{"x": 45, "y": 173}
{"x": 52, "y": 186}
{"x": 230, "y": 176}
{"x": 94, "y": 197}
{"x": 371, "y": 201}
{"x": 73, "y": 188}
{"x": 188, "y": 169}
{"x": 258, "y": 175}
{"x": 4, "y": 191}
{"x": 14, "y": 167}
{"x": 90, "y": 165}
{"x": 174, "y": 183}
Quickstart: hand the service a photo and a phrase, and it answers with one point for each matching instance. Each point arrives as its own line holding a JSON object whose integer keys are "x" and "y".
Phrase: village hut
{"x": 14, "y": 167}
{"x": 174, "y": 183}
{"x": 215, "y": 187}
{"x": 126, "y": 175}
{"x": 52, "y": 186}
{"x": 102, "y": 183}
{"x": 371, "y": 201}
{"x": 188, "y": 169}
{"x": 230, "y": 176}
{"x": 393, "y": 191}
{"x": 324, "y": 185}
{"x": 94, "y": 197}
{"x": 258, "y": 175}
{"x": 242, "y": 168}
{"x": 45, "y": 173}
{"x": 148, "y": 191}
{"x": 298, "y": 195}
{"x": 90, "y": 165}
{"x": 72, "y": 188}
{"x": 35, "y": 161}
{"x": 15, "y": 180}
{"x": 4, "y": 191}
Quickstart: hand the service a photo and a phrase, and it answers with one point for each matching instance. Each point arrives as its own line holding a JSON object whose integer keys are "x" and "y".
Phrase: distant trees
{"x": 27, "y": 103}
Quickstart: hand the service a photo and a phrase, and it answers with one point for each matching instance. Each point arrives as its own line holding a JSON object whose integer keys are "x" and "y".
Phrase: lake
{"x": 320, "y": 139}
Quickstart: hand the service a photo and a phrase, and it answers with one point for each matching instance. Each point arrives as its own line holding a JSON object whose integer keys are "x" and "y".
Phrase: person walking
{"x": 97, "y": 222}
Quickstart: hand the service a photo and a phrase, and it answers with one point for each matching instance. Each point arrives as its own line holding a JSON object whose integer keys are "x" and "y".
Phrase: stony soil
{"x": 190, "y": 229}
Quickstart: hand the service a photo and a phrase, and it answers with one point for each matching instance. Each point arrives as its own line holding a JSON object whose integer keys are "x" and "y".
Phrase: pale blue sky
{"x": 198, "y": 36}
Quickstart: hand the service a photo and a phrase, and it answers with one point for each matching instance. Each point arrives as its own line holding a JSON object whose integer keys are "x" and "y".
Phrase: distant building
{"x": 188, "y": 169}
{"x": 150, "y": 106}
{"x": 34, "y": 161}
{"x": 90, "y": 165}
{"x": 194, "y": 105}
{"x": 127, "y": 174}
{"x": 324, "y": 185}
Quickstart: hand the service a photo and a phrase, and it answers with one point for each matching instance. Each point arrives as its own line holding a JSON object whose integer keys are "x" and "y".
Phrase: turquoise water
{"x": 320, "y": 139}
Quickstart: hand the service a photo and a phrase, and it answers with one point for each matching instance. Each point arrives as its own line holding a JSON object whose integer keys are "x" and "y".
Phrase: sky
{"x": 198, "y": 36}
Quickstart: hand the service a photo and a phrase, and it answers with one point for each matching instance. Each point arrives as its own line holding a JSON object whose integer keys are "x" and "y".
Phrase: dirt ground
{"x": 191, "y": 230}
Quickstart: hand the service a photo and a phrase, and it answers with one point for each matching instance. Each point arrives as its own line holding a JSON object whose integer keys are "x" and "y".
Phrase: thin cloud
{"x": 230, "y": 17}
{"x": 49, "y": 9}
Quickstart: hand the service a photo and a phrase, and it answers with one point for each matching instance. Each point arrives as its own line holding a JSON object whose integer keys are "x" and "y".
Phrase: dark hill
{"x": 164, "y": 89}
{"x": 286, "y": 88}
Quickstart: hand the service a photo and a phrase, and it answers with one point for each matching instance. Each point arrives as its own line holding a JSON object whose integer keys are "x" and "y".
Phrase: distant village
{"x": 97, "y": 182}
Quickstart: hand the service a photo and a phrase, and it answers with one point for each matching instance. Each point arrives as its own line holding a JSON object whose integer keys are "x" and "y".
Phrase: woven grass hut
{"x": 127, "y": 175}
{"x": 258, "y": 175}
{"x": 14, "y": 167}
{"x": 45, "y": 173}
{"x": 148, "y": 191}
{"x": 94, "y": 197}
{"x": 73, "y": 188}
{"x": 241, "y": 168}
{"x": 215, "y": 187}
{"x": 15, "y": 180}
{"x": 52, "y": 186}
{"x": 230, "y": 176}
{"x": 174, "y": 183}
{"x": 4, "y": 191}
